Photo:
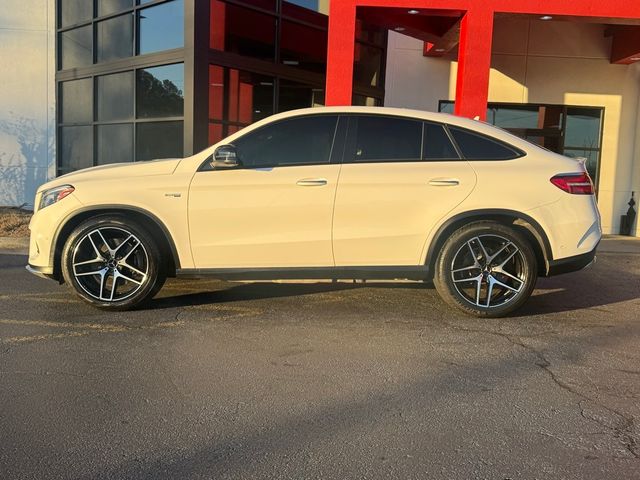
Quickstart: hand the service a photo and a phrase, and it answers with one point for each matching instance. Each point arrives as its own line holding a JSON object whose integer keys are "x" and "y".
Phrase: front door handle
{"x": 312, "y": 182}
{"x": 444, "y": 182}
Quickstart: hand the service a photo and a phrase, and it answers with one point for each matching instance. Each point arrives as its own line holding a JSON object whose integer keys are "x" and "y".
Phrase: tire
{"x": 486, "y": 269}
{"x": 121, "y": 274}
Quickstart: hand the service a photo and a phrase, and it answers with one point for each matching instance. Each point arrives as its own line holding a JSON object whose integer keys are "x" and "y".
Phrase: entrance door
{"x": 275, "y": 209}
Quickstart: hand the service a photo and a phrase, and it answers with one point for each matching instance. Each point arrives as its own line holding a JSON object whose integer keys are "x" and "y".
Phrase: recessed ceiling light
{"x": 546, "y": 17}
{"x": 413, "y": 12}
{"x": 399, "y": 29}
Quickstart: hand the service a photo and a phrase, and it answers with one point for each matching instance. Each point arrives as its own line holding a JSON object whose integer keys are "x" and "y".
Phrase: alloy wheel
{"x": 489, "y": 271}
{"x": 110, "y": 264}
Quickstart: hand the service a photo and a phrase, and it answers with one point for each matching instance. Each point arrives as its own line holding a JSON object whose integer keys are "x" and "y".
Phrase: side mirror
{"x": 225, "y": 156}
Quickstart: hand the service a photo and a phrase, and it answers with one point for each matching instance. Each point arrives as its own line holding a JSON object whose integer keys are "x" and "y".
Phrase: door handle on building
{"x": 312, "y": 182}
{"x": 444, "y": 182}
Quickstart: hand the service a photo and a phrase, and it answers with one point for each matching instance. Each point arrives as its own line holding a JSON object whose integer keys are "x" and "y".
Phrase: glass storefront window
{"x": 76, "y": 148}
{"x": 242, "y": 31}
{"x": 107, "y": 7}
{"x": 74, "y": 11}
{"x": 517, "y": 117}
{"x": 159, "y": 91}
{"x": 76, "y": 101}
{"x": 583, "y": 127}
{"x": 115, "y": 97}
{"x": 114, "y": 38}
{"x": 311, "y": 54}
{"x": 115, "y": 143}
{"x": 310, "y": 4}
{"x": 161, "y": 27}
{"x": 159, "y": 140}
{"x": 75, "y": 49}
{"x": 294, "y": 95}
{"x": 237, "y": 99}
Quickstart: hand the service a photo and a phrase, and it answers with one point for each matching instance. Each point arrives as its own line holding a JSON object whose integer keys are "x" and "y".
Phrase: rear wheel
{"x": 113, "y": 263}
{"x": 486, "y": 269}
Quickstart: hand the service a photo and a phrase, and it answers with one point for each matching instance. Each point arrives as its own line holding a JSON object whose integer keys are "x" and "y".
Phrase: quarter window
{"x": 478, "y": 147}
{"x": 380, "y": 138}
{"x": 297, "y": 141}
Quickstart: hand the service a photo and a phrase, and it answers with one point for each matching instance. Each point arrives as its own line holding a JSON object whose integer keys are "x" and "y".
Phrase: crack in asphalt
{"x": 623, "y": 431}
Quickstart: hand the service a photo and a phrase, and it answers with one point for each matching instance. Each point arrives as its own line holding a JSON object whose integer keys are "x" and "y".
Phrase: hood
{"x": 118, "y": 171}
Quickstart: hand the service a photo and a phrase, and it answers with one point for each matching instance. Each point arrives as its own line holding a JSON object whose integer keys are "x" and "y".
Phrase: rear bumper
{"x": 42, "y": 272}
{"x": 571, "y": 264}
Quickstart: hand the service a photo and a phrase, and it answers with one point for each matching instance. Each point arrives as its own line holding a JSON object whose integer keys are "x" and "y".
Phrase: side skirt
{"x": 419, "y": 272}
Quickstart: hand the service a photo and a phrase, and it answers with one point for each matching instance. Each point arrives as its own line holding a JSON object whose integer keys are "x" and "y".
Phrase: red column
{"x": 474, "y": 63}
{"x": 340, "y": 52}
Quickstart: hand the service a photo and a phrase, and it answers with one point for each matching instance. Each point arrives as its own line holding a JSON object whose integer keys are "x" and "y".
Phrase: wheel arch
{"x": 156, "y": 227}
{"x": 523, "y": 222}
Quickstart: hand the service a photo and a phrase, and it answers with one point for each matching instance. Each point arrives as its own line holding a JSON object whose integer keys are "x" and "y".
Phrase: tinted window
{"x": 76, "y": 97}
{"x": 107, "y": 7}
{"x": 298, "y": 141}
{"x": 115, "y": 96}
{"x": 437, "y": 144}
{"x": 74, "y": 11}
{"x": 76, "y": 148}
{"x": 159, "y": 91}
{"x": 386, "y": 138}
{"x": 75, "y": 48}
{"x": 479, "y": 147}
{"x": 161, "y": 27}
{"x": 114, "y": 38}
{"x": 115, "y": 143}
{"x": 159, "y": 140}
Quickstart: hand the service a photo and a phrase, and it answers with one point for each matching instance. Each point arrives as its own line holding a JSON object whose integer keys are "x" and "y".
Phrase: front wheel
{"x": 486, "y": 269}
{"x": 113, "y": 263}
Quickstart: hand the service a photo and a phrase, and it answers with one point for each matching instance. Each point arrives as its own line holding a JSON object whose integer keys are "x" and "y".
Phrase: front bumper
{"x": 571, "y": 264}
{"x": 42, "y": 272}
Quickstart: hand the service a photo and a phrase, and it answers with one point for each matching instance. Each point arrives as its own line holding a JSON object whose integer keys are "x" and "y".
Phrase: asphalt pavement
{"x": 330, "y": 381}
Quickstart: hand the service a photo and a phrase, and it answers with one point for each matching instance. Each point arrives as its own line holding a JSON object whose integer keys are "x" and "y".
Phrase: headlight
{"x": 53, "y": 195}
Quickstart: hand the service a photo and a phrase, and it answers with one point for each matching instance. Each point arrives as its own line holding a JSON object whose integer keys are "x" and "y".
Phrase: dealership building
{"x": 89, "y": 82}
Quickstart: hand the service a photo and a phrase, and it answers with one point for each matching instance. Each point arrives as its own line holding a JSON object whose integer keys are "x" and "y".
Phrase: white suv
{"x": 326, "y": 193}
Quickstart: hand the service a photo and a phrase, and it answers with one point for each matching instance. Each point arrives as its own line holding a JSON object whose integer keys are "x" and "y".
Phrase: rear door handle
{"x": 312, "y": 182}
{"x": 444, "y": 182}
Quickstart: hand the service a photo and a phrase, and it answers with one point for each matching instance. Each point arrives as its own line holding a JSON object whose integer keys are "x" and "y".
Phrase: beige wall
{"x": 27, "y": 97}
{"x": 541, "y": 62}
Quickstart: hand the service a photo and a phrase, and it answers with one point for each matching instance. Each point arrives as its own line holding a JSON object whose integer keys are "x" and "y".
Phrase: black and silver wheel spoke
{"x": 488, "y": 271}
{"x": 110, "y": 264}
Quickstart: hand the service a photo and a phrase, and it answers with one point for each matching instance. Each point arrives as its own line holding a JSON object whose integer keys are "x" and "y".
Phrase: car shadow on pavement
{"x": 612, "y": 281}
{"x": 232, "y": 292}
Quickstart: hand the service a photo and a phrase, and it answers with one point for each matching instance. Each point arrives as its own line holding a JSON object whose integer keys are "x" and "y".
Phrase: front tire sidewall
{"x": 155, "y": 276}
{"x": 444, "y": 283}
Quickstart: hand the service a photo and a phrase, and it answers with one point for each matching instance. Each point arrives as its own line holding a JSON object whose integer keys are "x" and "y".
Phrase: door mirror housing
{"x": 225, "y": 156}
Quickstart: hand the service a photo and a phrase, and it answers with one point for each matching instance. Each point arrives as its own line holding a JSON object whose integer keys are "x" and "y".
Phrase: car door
{"x": 399, "y": 177}
{"x": 275, "y": 208}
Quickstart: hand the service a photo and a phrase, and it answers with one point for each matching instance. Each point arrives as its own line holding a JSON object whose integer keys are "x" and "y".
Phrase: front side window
{"x": 474, "y": 146}
{"x": 295, "y": 141}
{"x": 379, "y": 138}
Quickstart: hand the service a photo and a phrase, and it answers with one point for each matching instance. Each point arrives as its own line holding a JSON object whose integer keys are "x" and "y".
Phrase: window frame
{"x": 335, "y": 153}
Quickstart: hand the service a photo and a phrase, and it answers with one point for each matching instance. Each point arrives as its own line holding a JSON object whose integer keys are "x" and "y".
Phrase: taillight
{"x": 574, "y": 183}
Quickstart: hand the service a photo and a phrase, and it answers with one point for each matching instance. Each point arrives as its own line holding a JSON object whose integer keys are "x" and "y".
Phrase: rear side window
{"x": 437, "y": 144}
{"x": 380, "y": 138}
{"x": 295, "y": 141}
{"x": 474, "y": 146}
